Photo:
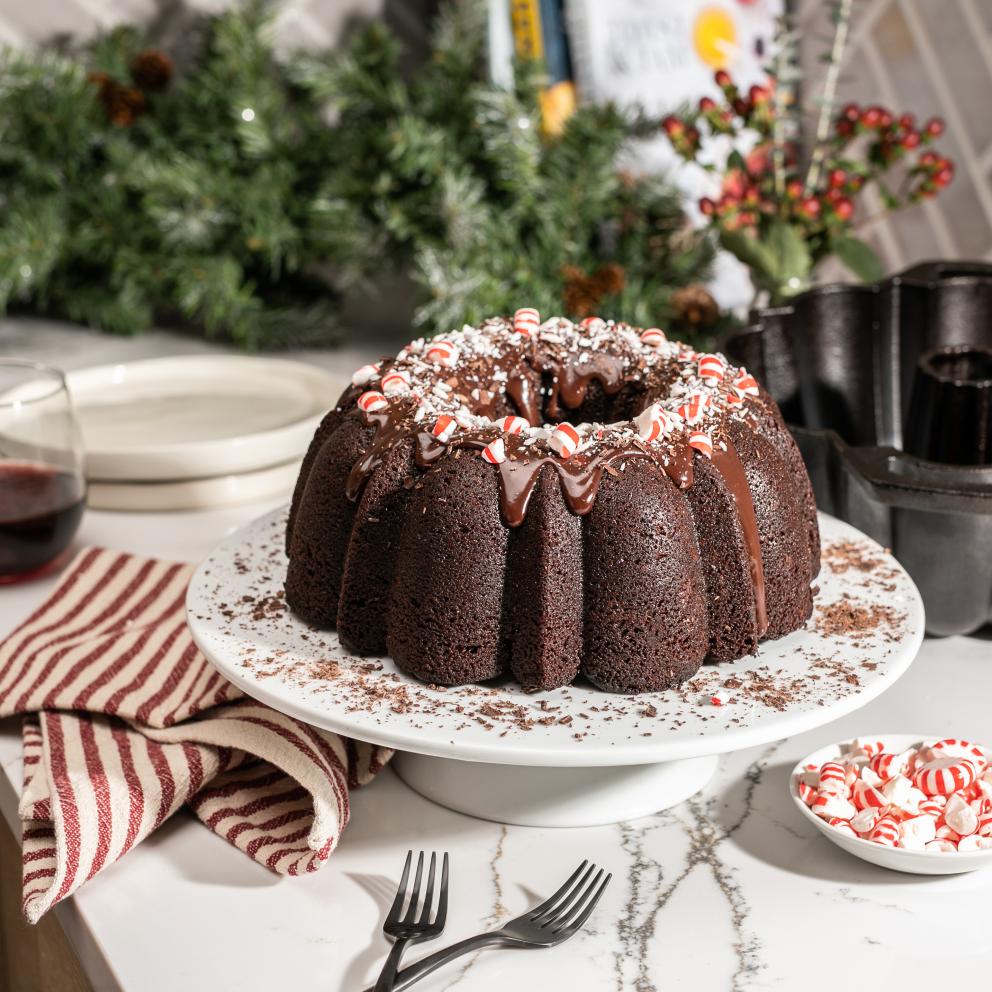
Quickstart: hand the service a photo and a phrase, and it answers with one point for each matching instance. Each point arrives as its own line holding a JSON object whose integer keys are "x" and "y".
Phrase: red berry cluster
{"x": 892, "y": 138}
{"x": 766, "y": 184}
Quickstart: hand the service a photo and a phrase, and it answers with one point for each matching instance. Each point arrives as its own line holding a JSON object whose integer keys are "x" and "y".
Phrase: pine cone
{"x": 122, "y": 104}
{"x": 694, "y": 306}
{"x": 151, "y": 70}
{"x": 609, "y": 279}
{"x": 584, "y": 293}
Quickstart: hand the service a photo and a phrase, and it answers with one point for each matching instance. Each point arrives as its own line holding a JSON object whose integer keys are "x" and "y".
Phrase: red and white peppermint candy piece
{"x": 844, "y": 826}
{"x": 495, "y": 452}
{"x": 865, "y": 796}
{"x": 653, "y": 337}
{"x": 898, "y": 791}
{"x": 732, "y": 399}
{"x": 869, "y": 748}
{"x": 960, "y": 817}
{"x": 711, "y": 369}
{"x": 745, "y": 384}
{"x": 694, "y": 409}
{"x": 444, "y": 428}
{"x": 442, "y": 352}
{"x": 942, "y": 776}
{"x": 513, "y": 425}
{"x": 564, "y": 440}
{"x": 395, "y": 382}
{"x": 592, "y": 323}
{"x": 864, "y": 820}
{"x": 951, "y": 747}
{"x": 806, "y": 792}
{"x": 973, "y": 792}
{"x": 931, "y": 807}
{"x": 885, "y": 765}
{"x": 885, "y": 831}
{"x": 648, "y": 423}
{"x": 702, "y": 443}
{"x": 883, "y": 840}
{"x": 919, "y": 830}
{"x": 974, "y": 843}
{"x": 944, "y": 832}
{"x": 372, "y": 401}
{"x": 365, "y": 374}
{"x": 829, "y": 804}
{"x": 526, "y": 321}
{"x": 941, "y": 845}
{"x": 654, "y": 422}
{"x": 833, "y": 777}
{"x": 985, "y": 824}
{"x": 869, "y": 777}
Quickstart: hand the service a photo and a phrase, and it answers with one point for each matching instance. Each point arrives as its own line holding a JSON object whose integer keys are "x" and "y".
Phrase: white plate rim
{"x": 899, "y": 742}
{"x": 151, "y": 462}
{"x": 515, "y": 751}
{"x": 193, "y": 494}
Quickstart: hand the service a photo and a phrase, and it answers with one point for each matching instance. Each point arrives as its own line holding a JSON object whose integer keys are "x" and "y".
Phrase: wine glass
{"x": 42, "y": 488}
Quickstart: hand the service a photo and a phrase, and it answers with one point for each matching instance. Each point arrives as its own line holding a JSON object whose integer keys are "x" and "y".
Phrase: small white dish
{"x": 895, "y": 858}
{"x": 195, "y": 494}
{"x": 197, "y": 416}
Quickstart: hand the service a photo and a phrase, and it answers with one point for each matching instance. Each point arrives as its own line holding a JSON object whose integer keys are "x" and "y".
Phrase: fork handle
{"x": 432, "y": 962}
{"x": 387, "y": 977}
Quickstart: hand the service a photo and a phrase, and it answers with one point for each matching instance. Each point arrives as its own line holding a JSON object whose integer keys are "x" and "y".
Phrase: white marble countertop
{"x": 729, "y": 891}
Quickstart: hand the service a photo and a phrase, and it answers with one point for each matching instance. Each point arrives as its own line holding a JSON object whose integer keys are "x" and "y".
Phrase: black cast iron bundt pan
{"x": 888, "y": 391}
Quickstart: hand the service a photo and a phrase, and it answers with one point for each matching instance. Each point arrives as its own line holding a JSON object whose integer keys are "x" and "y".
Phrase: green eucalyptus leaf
{"x": 792, "y": 260}
{"x": 735, "y": 160}
{"x": 859, "y": 257}
{"x": 750, "y": 251}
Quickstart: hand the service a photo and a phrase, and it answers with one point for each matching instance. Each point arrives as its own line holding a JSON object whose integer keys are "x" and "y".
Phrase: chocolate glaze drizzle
{"x": 580, "y": 476}
{"x": 728, "y": 464}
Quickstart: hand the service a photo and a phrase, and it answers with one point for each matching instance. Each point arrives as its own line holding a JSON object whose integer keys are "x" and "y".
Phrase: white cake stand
{"x": 575, "y": 756}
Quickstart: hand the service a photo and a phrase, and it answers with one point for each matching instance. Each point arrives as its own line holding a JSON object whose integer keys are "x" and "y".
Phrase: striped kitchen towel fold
{"x": 126, "y": 721}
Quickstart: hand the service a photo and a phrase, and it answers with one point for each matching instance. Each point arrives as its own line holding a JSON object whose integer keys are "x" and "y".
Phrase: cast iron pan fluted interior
{"x": 842, "y": 363}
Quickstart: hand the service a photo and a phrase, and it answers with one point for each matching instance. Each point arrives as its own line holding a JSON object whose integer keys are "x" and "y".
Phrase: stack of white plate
{"x": 197, "y": 431}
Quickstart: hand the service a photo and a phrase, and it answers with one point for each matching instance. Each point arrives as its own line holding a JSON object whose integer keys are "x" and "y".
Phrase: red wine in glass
{"x": 40, "y": 509}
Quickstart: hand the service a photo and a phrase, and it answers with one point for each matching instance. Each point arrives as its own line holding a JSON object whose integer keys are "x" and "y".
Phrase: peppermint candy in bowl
{"x": 903, "y": 801}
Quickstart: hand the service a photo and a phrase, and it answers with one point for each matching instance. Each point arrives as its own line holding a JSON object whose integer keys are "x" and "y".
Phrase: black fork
{"x": 408, "y": 928}
{"x": 550, "y": 923}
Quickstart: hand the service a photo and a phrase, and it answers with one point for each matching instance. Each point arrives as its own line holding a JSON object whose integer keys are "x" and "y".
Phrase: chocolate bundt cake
{"x": 549, "y": 499}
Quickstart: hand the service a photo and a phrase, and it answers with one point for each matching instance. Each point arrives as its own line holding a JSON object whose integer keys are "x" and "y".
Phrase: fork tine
{"x": 442, "y": 898}
{"x": 411, "y": 913}
{"x": 574, "y": 923}
{"x": 429, "y": 894}
{"x": 574, "y": 897}
{"x": 394, "y": 910}
{"x": 548, "y": 903}
{"x": 550, "y": 915}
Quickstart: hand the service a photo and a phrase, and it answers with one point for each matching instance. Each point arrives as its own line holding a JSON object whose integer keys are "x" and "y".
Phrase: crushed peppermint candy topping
{"x": 465, "y": 375}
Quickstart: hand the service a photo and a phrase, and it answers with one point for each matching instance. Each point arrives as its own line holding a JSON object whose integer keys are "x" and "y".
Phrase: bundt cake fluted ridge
{"x": 549, "y": 499}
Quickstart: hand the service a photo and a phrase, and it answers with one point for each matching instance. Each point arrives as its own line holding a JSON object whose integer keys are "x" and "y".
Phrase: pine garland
{"x": 462, "y": 184}
{"x": 132, "y": 197}
{"x": 242, "y": 193}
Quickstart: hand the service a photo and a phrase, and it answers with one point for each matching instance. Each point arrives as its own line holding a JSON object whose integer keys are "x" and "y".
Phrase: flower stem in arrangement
{"x": 782, "y": 215}
{"x": 842, "y": 24}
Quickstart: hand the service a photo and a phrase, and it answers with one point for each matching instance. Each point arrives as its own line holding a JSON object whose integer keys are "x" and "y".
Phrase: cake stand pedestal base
{"x": 534, "y": 796}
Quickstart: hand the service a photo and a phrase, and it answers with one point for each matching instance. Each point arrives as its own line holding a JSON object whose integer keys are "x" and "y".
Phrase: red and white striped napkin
{"x": 127, "y": 721}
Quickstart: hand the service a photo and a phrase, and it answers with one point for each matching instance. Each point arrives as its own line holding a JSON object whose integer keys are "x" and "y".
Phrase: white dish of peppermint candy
{"x": 902, "y": 801}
